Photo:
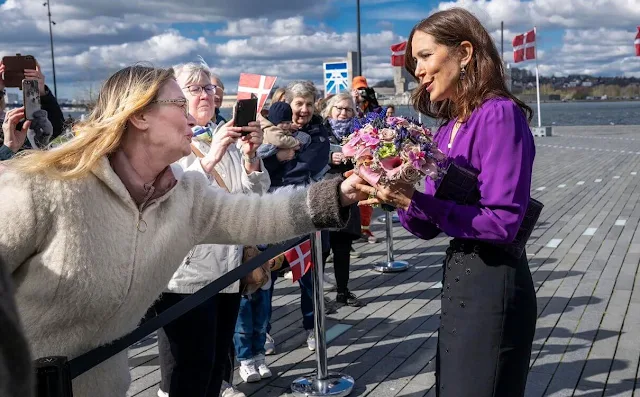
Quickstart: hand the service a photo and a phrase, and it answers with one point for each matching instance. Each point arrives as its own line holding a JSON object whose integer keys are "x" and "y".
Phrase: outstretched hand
{"x": 349, "y": 194}
{"x": 397, "y": 195}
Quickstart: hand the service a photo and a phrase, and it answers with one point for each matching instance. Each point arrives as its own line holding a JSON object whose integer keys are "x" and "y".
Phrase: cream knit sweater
{"x": 86, "y": 268}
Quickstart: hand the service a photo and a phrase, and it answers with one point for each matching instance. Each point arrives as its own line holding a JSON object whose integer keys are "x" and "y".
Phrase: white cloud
{"x": 551, "y": 13}
{"x": 262, "y": 26}
{"x": 316, "y": 45}
{"x": 287, "y": 39}
{"x": 158, "y": 11}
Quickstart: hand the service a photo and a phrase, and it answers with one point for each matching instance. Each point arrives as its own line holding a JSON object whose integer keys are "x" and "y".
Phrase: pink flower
{"x": 371, "y": 140}
{"x": 417, "y": 159}
{"x": 366, "y": 173}
{"x": 350, "y": 148}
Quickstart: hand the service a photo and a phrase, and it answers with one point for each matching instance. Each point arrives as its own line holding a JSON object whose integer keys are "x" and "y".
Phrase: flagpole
{"x": 535, "y": 33}
{"x": 359, "y": 44}
{"x": 323, "y": 383}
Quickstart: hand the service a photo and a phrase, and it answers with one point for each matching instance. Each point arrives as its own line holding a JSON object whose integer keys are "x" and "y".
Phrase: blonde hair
{"x": 124, "y": 94}
{"x": 333, "y": 101}
{"x": 279, "y": 95}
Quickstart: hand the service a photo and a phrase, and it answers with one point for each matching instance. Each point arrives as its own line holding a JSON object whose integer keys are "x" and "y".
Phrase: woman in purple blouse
{"x": 488, "y": 310}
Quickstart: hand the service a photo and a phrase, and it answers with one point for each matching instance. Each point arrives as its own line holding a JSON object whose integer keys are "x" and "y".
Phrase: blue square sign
{"x": 336, "y": 77}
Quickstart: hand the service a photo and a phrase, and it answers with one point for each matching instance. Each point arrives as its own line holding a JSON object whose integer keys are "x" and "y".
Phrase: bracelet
{"x": 250, "y": 160}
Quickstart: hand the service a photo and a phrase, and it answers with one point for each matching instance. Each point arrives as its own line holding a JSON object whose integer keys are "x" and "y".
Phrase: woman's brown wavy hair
{"x": 484, "y": 77}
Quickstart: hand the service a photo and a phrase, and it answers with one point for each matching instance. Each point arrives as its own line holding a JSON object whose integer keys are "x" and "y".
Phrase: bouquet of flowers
{"x": 392, "y": 150}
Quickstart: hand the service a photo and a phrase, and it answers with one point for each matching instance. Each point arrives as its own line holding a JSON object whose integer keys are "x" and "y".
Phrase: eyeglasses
{"x": 340, "y": 110}
{"x": 196, "y": 90}
{"x": 180, "y": 102}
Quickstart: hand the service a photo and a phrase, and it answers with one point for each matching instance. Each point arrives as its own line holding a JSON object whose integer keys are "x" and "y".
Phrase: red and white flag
{"x": 259, "y": 85}
{"x": 524, "y": 46}
{"x": 299, "y": 258}
{"x": 637, "y": 42}
{"x": 397, "y": 54}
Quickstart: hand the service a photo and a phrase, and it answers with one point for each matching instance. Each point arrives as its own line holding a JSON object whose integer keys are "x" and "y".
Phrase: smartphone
{"x": 30, "y": 97}
{"x": 14, "y": 69}
{"x": 335, "y": 148}
{"x": 245, "y": 112}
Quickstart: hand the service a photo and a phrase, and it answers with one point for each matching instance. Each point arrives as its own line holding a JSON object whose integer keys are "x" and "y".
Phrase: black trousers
{"x": 341, "y": 243}
{"x": 488, "y": 319}
{"x": 194, "y": 349}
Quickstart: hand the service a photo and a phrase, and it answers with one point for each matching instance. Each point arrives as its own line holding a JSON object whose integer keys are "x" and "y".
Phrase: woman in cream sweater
{"x": 97, "y": 227}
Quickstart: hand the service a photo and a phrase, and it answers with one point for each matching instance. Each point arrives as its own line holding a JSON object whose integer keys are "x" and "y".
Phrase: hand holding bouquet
{"x": 394, "y": 150}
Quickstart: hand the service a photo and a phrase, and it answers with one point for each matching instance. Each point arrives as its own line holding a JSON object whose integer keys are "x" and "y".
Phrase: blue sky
{"x": 289, "y": 39}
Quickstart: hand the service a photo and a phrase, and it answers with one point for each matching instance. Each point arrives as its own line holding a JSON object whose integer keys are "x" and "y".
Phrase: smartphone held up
{"x": 31, "y": 98}
{"x": 14, "y": 67}
{"x": 245, "y": 111}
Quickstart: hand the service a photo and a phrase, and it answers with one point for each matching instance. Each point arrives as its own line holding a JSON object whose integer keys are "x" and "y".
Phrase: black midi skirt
{"x": 488, "y": 319}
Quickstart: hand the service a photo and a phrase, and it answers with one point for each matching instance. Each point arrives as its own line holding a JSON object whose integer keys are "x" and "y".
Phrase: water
{"x": 553, "y": 113}
{"x": 571, "y": 113}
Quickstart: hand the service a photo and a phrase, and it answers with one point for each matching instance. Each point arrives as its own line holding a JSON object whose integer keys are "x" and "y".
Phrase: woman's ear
{"x": 140, "y": 121}
{"x": 466, "y": 52}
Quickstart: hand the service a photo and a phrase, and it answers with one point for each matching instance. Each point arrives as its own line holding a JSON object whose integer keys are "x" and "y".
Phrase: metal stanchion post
{"x": 391, "y": 265}
{"x": 394, "y": 217}
{"x": 323, "y": 382}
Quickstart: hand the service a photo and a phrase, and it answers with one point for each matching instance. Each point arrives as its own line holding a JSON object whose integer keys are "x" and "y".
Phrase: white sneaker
{"x": 248, "y": 371}
{"x": 311, "y": 341}
{"x": 227, "y": 390}
{"x": 269, "y": 346}
{"x": 263, "y": 370}
{"x": 162, "y": 394}
{"x": 329, "y": 283}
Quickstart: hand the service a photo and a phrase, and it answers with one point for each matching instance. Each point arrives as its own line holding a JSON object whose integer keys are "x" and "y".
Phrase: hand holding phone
{"x": 31, "y": 98}
{"x": 245, "y": 112}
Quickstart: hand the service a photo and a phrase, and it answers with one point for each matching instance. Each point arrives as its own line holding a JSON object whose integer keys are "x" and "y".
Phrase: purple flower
{"x": 417, "y": 159}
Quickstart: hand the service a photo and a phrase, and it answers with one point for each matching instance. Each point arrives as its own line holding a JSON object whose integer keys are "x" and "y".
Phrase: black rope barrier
{"x": 54, "y": 374}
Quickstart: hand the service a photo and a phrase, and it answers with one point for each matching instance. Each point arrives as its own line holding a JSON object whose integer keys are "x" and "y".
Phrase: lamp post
{"x": 53, "y": 61}
{"x": 359, "y": 46}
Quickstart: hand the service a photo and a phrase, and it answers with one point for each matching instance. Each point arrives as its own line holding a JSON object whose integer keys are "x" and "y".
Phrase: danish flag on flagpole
{"x": 299, "y": 258}
{"x": 637, "y": 42}
{"x": 259, "y": 85}
{"x": 397, "y": 54}
{"x": 524, "y": 46}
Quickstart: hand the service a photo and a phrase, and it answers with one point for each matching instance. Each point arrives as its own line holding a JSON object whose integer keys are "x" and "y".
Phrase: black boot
{"x": 349, "y": 299}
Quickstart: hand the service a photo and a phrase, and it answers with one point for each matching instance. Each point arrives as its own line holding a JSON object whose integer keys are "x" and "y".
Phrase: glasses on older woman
{"x": 196, "y": 90}
{"x": 341, "y": 109}
{"x": 180, "y": 102}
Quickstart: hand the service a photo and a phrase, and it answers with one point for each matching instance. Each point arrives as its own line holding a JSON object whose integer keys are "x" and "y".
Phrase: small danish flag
{"x": 259, "y": 85}
{"x": 524, "y": 46}
{"x": 397, "y": 54}
{"x": 299, "y": 258}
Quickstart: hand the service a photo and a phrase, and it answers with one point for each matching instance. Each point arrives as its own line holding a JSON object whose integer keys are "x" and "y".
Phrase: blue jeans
{"x": 251, "y": 326}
